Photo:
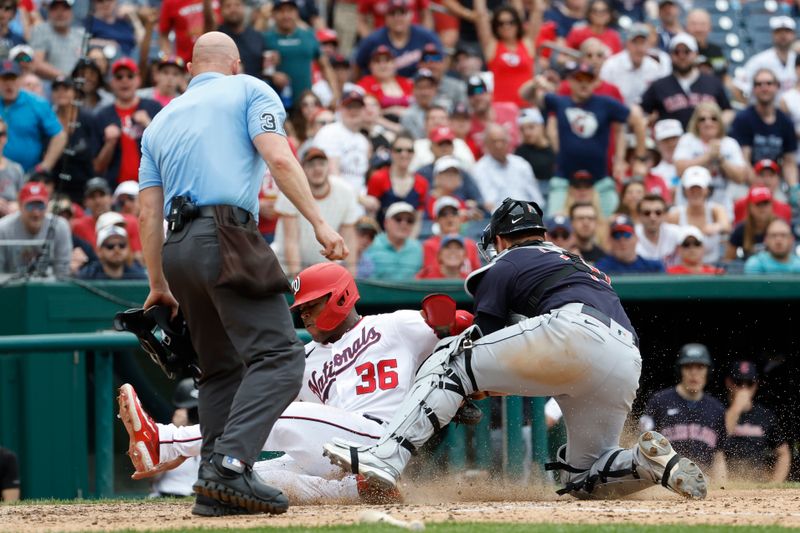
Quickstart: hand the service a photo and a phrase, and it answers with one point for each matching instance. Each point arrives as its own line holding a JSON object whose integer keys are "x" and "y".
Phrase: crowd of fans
{"x": 645, "y": 152}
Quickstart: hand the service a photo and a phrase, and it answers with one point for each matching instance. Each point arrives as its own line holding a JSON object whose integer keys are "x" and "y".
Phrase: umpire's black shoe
{"x": 243, "y": 490}
{"x": 205, "y": 506}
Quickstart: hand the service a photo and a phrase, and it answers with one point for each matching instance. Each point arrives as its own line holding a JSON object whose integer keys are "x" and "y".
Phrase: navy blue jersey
{"x": 754, "y": 439}
{"x": 506, "y": 286}
{"x": 695, "y": 429}
{"x": 767, "y": 141}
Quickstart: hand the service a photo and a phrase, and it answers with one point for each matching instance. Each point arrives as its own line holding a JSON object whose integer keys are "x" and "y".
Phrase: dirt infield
{"x": 741, "y": 506}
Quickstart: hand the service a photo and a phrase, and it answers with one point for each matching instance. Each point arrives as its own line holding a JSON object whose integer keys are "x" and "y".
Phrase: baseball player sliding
{"x": 358, "y": 371}
{"x": 571, "y": 339}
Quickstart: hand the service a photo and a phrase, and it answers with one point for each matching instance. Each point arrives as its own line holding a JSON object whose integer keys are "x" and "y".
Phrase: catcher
{"x": 358, "y": 371}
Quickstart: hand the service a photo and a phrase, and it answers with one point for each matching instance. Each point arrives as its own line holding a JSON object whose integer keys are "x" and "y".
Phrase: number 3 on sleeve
{"x": 268, "y": 122}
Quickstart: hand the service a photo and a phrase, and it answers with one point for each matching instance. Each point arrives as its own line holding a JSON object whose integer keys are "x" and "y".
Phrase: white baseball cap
{"x": 399, "y": 207}
{"x": 667, "y": 128}
{"x": 696, "y": 176}
{"x": 110, "y": 231}
{"x": 446, "y": 162}
{"x": 445, "y": 201}
{"x": 692, "y": 231}
{"x": 782, "y": 22}
{"x": 130, "y": 187}
{"x": 112, "y": 218}
{"x": 530, "y": 115}
{"x": 685, "y": 39}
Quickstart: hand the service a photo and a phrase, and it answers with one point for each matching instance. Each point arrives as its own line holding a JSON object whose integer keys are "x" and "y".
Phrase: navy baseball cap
{"x": 10, "y": 68}
{"x": 582, "y": 178}
{"x": 581, "y": 69}
{"x": 621, "y": 224}
{"x": 447, "y": 239}
{"x": 556, "y": 223}
{"x": 281, "y": 3}
{"x": 424, "y": 74}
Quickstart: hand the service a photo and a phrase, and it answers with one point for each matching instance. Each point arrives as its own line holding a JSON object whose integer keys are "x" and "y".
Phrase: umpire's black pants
{"x": 251, "y": 359}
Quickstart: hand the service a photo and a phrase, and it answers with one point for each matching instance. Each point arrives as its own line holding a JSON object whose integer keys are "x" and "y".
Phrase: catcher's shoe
{"x": 376, "y": 494}
{"x": 142, "y": 431}
{"x": 244, "y": 490}
{"x": 681, "y": 475}
{"x": 205, "y": 506}
{"x": 360, "y": 460}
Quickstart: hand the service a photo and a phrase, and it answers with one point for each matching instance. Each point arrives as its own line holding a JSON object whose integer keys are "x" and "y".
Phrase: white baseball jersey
{"x": 371, "y": 368}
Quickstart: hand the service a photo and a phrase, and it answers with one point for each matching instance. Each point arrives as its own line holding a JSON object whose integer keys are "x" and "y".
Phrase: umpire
{"x": 202, "y": 165}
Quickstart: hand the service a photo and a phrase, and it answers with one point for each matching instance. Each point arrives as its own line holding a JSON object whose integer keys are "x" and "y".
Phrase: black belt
{"x": 207, "y": 211}
{"x": 605, "y": 320}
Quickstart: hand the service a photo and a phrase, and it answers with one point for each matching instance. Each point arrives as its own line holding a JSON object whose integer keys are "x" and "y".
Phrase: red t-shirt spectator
{"x": 129, "y": 145}
{"x": 83, "y": 227}
{"x": 780, "y": 209}
{"x": 372, "y": 86}
{"x": 377, "y": 8}
{"x": 505, "y": 114}
{"x": 547, "y": 33}
{"x": 186, "y": 18}
{"x": 609, "y": 37}
{"x": 705, "y": 269}
{"x": 430, "y": 258}
{"x": 510, "y": 68}
{"x": 380, "y": 186}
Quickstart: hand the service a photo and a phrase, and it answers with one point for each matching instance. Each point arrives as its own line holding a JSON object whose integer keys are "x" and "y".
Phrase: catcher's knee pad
{"x": 617, "y": 473}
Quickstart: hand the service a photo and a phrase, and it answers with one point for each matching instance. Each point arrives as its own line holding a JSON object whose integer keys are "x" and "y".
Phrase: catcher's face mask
{"x": 173, "y": 353}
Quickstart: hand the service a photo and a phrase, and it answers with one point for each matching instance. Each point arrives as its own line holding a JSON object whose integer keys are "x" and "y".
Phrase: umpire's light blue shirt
{"x": 201, "y": 144}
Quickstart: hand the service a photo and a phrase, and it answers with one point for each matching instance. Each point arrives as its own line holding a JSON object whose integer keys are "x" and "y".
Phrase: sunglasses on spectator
{"x": 710, "y": 118}
{"x": 656, "y": 212}
{"x": 595, "y": 54}
{"x": 35, "y": 206}
{"x": 448, "y": 212}
{"x": 409, "y": 219}
{"x": 764, "y": 203}
{"x": 617, "y": 235}
{"x": 432, "y": 57}
{"x": 506, "y": 22}
{"x": 691, "y": 243}
{"x": 560, "y": 235}
{"x": 400, "y": 150}
{"x": 113, "y": 245}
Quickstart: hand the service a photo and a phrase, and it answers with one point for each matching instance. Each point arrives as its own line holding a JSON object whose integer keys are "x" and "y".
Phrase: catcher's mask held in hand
{"x": 174, "y": 352}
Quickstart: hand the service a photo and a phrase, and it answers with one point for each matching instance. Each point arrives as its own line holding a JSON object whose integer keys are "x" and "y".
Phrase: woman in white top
{"x": 699, "y": 211}
{"x": 705, "y": 144}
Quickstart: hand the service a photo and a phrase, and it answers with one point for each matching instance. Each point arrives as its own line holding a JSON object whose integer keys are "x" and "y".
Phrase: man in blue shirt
{"x": 623, "y": 258}
{"x": 406, "y": 40}
{"x": 203, "y": 163}
{"x": 779, "y": 256}
{"x": 394, "y": 254}
{"x": 30, "y": 120}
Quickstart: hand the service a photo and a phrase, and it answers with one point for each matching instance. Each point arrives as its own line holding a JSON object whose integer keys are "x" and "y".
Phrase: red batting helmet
{"x": 322, "y": 279}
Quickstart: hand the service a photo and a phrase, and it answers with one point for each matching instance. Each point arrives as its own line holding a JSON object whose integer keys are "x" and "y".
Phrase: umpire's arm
{"x": 292, "y": 182}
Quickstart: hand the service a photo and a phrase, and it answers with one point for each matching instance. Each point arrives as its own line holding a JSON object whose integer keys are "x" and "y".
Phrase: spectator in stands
{"x": 653, "y": 183}
{"x": 170, "y": 78}
{"x": 392, "y": 91}
{"x": 424, "y": 92}
{"x": 630, "y": 195}
{"x": 747, "y": 237}
{"x": 346, "y": 147}
{"x": 593, "y": 53}
{"x": 508, "y": 47}
{"x": 583, "y": 217}
{"x": 379, "y": 130}
{"x": 442, "y": 148}
{"x": 35, "y": 139}
{"x": 502, "y": 174}
{"x": 623, "y": 258}
{"x": 189, "y": 20}
{"x": 341, "y": 71}
{"x": 780, "y": 60}
{"x": 93, "y": 93}
{"x": 766, "y": 173}
{"x": 676, "y": 95}
{"x": 535, "y": 147}
{"x": 51, "y": 254}
{"x": 22, "y": 54}
{"x": 249, "y": 42}
{"x": 658, "y": 239}
{"x": 599, "y": 25}
{"x": 580, "y": 190}
{"x": 308, "y": 104}
{"x": 451, "y": 90}
{"x": 297, "y": 48}
{"x": 669, "y": 22}
{"x": 9, "y": 476}
{"x": 98, "y": 202}
{"x": 690, "y": 254}
{"x": 778, "y": 256}
{"x": 559, "y": 232}
{"x": 632, "y": 70}
{"x": 120, "y": 126}
{"x": 449, "y": 216}
{"x": 764, "y": 131}
{"x": 377, "y": 10}
{"x": 366, "y": 230}
{"x": 12, "y": 177}
{"x": 77, "y": 161}
{"x": 705, "y": 144}
{"x": 450, "y": 257}
{"x": 294, "y": 237}
{"x": 32, "y": 83}
{"x": 404, "y": 39}
{"x": 113, "y": 257}
{"x": 709, "y": 217}
{"x": 397, "y": 183}
{"x": 756, "y": 445}
{"x": 126, "y": 198}
{"x": 566, "y": 14}
{"x": 439, "y": 132}
{"x": 698, "y": 25}
{"x": 57, "y": 43}
{"x": 110, "y": 27}
{"x": 584, "y": 123}
{"x": 8, "y": 37}
{"x": 484, "y": 112}
{"x": 667, "y": 134}
{"x": 394, "y": 254}
{"x": 692, "y": 420}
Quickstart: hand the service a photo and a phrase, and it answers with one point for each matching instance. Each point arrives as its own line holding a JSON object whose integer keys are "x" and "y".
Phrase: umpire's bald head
{"x": 214, "y": 52}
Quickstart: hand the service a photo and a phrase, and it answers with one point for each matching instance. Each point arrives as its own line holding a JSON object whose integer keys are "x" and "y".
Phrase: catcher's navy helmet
{"x": 512, "y": 216}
